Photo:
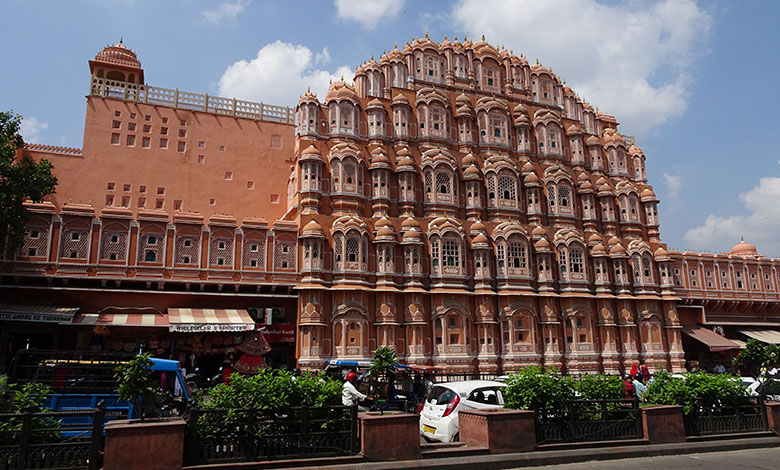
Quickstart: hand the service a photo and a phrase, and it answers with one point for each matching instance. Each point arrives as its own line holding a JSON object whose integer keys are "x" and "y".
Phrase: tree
{"x": 136, "y": 383}
{"x": 757, "y": 356}
{"x": 20, "y": 179}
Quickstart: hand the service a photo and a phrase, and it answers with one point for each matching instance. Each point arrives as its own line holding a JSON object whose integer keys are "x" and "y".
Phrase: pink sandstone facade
{"x": 457, "y": 204}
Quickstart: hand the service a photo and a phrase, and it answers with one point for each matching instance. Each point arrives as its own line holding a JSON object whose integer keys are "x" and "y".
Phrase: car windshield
{"x": 441, "y": 395}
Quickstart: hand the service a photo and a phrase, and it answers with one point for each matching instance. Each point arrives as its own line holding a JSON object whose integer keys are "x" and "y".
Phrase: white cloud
{"x": 368, "y": 13}
{"x": 673, "y": 183}
{"x": 760, "y": 223}
{"x": 630, "y": 60}
{"x": 280, "y": 74}
{"x": 32, "y": 129}
{"x": 225, "y": 11}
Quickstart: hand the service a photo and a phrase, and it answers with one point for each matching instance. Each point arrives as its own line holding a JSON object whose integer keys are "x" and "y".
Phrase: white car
{"x": 439, "y": 416}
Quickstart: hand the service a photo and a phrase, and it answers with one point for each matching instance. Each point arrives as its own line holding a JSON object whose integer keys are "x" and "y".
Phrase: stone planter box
{"x": 663, "y": 424}
{"x": 152, "y": 445}
{"x": 500, "y": 430}
{"x": 773, "y": 416}
{"x": 390, "y": 436}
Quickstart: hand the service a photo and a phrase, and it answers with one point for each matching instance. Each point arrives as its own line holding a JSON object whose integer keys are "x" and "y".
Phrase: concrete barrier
{"x": 663, "y": 424}
{"x": 390, "y": 436}
{"x": 151, "y": 445}
{"x": 500, "y": 430}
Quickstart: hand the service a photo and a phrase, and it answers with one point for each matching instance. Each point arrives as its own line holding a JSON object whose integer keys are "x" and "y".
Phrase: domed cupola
{"x": 117, "y": 63}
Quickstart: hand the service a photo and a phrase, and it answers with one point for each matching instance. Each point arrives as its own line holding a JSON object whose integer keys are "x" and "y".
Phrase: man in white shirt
{"x": 350, "y": 395}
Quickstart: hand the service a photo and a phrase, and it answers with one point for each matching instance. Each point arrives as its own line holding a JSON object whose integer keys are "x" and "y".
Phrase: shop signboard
{"x": 209, "y": 327}
{"x": 36, "y": 317}
{"x": 279, "y": 333}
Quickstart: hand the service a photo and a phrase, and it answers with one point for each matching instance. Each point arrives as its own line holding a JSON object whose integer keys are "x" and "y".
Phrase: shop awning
{"x": 133, "y": 319}
{"x": 37, "y": 313}
{"x": 204, "y": 320}
{"x": 762, "y": 334}
{"x": 708, "y": 337}
{"x": 740, "y": 343}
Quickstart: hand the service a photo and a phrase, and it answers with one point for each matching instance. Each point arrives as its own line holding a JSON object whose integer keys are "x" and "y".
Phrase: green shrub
{"x": 18, "y": 399}
{"x": 271, "y": 394}
{"x": 698, "y": 393}
{"x": 532, "y": 388}
{"x": 599, "y": 387}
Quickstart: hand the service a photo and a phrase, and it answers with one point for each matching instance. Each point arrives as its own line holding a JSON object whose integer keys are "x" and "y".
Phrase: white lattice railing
{"x": 173, "y": 98}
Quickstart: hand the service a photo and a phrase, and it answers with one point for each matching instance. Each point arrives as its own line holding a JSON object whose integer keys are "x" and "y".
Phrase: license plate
{"x": 429, "y": 429}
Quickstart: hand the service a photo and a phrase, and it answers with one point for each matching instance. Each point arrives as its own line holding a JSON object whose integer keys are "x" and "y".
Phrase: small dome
{"x": 400, "y": 99}
{"x": 595, "y": 238}
{"x": 471, "y": 170}
{"x": 410, "y": 223}
{"x": 599, "y": 248}
{"x": 469, "y": 159}
{"x": 647, "y": 195}
{"x": 341, "y": 90}
{"x": 531, "y": 178}
{"x": 479, "y": 239}
{"x": 312, "y": 229}
{"x": 478, "y": 226}
{"x": 386, "y": 231}
{"x": 413, "y": 234}
{"x": 661, "y": 253}
{"x": 592, "y": 140}
{"x": 118, "y": 54}
{"x": 744, "y": 248}
{"x": 617, "y": 249}
{"x": 542, "y": 245}
{"x": 375, "y": 104}
{"x": 539, "y": 231}
{"x": 463, "y": 100}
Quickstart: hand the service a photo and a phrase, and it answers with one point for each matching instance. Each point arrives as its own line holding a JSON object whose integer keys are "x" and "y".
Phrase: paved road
{"x": 751, "y": 459}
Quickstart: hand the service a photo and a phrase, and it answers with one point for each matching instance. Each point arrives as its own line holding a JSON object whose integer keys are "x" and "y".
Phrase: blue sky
{"x": 695, "y": 82}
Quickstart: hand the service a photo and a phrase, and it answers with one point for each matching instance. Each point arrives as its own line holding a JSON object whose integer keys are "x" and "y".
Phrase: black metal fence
{"x": 749, "y": 415}
{"x": 245, "y": 435}
{"x": 589, "y": 420}
{"x": 52, "y": 440}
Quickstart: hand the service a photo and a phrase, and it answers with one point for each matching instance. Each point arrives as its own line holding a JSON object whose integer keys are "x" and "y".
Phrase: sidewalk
{"x": 553, "y": 457}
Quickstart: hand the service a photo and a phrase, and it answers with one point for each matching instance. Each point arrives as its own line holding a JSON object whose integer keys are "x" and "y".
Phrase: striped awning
{"x": 764, "y": 335}
{"x": 37, "y": 313}
{"x": 151, "y": 319}
{"x": 205, "y": 319}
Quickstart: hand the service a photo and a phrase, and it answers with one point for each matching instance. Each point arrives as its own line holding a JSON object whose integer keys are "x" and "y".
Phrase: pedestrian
{"x": 645, "y": 373}
{"x": 349, "y": 393}
{"x": 628, "y": 387}
{"x": 639, "y": 387}
{"x": 634, "y": 370}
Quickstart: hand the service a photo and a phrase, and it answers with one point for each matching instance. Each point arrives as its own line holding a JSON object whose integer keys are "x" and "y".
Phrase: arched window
{"x": 576, "y": 265}
{"x": 633, "y": 206}
{"x": 517, "y": 257}
{"x": 647, "y": 269}
{"x": 564, "y": 199}
{"x": 552, "y": 197}
{"x": 412, "y": 260}
{"x": 450, "y": 259}
{"x": 623, "y": 201}
{"x": 460, "y": 66}
{"x": 401, "y": 121}
{"x": 150, "y": 256}
{"x": 439, "y": 182}
{"x": 472, "y": 193}
{"x": 347, "y": 176}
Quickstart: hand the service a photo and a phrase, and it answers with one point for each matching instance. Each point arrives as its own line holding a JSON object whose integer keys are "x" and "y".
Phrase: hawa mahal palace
{"x": 457, "y": 204}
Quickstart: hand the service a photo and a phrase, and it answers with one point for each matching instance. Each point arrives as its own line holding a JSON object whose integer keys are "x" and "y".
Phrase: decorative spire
{"x": 396, "y": 46}
{"x": 426, "y": 34}
{"x": 483, "y": 37}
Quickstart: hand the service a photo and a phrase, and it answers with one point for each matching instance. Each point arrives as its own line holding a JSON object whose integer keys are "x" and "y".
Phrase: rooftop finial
{"x": 537, "y": 61}
{"x": 741, "y": 238}
{"x": 396, "y": 45}
{"x": 426, "y": 34}
{"x": 483, "y": 37}
{"x": 342, "y": 78}
{"x": 120, "y": 41}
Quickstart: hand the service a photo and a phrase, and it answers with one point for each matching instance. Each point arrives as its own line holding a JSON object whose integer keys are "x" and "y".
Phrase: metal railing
{"x": 174, "y": 98}
{"x": 589, "y": 420}
{"x": 747, "y": 416}
{"x": 246, "y": 435}
{"x": 52, "y": 440}
{"x": 69, "y": 372}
